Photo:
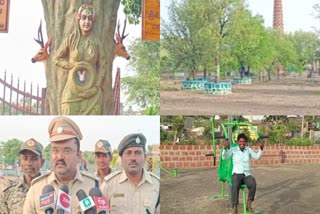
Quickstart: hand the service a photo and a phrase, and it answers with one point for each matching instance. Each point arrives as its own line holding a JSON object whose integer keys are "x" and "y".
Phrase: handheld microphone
{"x": 101, "y": 202}
{"x": 63, "y": 200}
{"x": 86, "y": 203}
{"x": 47, "y": 199}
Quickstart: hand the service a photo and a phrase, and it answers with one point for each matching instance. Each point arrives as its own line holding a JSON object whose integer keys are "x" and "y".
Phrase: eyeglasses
{"x": 65, "y": 151}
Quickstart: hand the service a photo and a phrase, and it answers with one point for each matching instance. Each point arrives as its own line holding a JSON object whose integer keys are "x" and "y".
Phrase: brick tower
{"x": 277, "y": 15}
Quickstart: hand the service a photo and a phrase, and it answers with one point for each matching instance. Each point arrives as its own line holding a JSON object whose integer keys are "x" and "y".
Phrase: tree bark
{"x": 60, "y": 18}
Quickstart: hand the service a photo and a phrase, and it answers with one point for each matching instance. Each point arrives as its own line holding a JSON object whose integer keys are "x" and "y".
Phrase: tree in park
{"x": 198, "y": 33}
{"x": 186, "y": 41}
{"x": 143, "y": 88}
{"x": 10, "y": 150}
{"x": 249, "y": 43}
{"x": 60, "y": 18}
{"x": 282, "y": 53}
{"x": 305, "y": 45}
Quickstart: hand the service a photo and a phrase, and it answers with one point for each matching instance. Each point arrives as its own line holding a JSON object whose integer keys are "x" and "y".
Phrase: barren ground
{"x": 284, "y": 96}
{"x": 281, "y": 189}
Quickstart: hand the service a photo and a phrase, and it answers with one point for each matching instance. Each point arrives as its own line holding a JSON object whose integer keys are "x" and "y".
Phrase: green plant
{"x": 300, "y": 142}
{"x": 191, "y": 141}
{"x": 277, "y": 134}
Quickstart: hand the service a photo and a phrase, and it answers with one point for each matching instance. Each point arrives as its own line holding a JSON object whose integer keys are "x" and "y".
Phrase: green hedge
{"x": 300, "y": 142}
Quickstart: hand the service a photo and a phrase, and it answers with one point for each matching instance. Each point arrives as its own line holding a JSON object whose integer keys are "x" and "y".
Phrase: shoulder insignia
{"x": 41, "y": 177}
{"x": 88, "y": 175}
{"x": 111, "y": 175}
{"x": 155, "y": 176}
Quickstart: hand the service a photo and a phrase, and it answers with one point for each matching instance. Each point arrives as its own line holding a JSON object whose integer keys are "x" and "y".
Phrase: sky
{"x": 297, "y": 14}
{"x": 17, "y": 47}
{"x": 93, "y": 128}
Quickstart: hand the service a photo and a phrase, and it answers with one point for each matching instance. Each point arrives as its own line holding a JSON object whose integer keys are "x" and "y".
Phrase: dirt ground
{"x": 284, "y": 96}
{"x": 281, "y": 189}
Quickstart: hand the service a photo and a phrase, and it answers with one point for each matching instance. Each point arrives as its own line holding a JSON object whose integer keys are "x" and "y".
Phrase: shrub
{"x": 300, "y": 142}
{"x": 192, "y": 141}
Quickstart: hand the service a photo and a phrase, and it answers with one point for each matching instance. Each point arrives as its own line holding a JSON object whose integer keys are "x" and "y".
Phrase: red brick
{"x": 175, "y": 147}
{"x": 172, "y": 165}
{"x": 202, "y": 147}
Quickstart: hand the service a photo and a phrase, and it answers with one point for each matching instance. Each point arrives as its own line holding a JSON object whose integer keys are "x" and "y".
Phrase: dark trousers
{"x": 237, "y": 181}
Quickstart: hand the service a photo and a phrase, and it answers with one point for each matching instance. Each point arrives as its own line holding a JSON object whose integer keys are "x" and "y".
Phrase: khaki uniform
{"x": 125, "y": 197}
{"x": 81, "y": 181}
{"x": 101, "y": 180}
{"x": 13, "y": 196}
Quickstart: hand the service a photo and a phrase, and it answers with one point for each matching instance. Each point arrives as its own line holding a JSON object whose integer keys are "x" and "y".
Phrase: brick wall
{"x": 193, "y": 156}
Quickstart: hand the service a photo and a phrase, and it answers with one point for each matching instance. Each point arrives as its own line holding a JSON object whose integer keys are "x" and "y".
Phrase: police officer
{"x": 30, "y": 161}
{"x": 103, "y": 156}
{"x": 65, "y": 137}
{"x": 134, "y": 189}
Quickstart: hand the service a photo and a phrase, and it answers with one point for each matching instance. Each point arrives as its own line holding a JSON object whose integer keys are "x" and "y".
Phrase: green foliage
{"x": 203, "y": 34}
{"x": 304, "y": 44}
{"x": 132, "y": 8}
{"x": 178, "y": 124}
{"x": 114, "y": 160}
{"x": 143, "y": 88}
{"x": 277, "y": 134}
{"x": 163, "y": 135}
{"x": 47, "y": 152}
{"x": 89, "y": 156}
{"x": 191, "y": 141}
{"x": 294, "y": 126}
{"x": 151, "y": 110}
{"x": 10, "y": 150}
{"x": 300, "y": 142}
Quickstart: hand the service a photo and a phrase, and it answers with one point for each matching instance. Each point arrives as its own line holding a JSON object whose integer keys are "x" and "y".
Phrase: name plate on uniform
{"x": 151, "y": 20}
{"x": 4, "y": 15}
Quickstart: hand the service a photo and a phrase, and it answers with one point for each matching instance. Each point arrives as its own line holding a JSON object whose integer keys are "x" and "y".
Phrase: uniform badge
{"x": 59, "y": 130}
{"x": 30, "y": 143}
{"x": 100, "y": 144}
{"x": 118, "y": 195}
{"x": 138, "y": 140}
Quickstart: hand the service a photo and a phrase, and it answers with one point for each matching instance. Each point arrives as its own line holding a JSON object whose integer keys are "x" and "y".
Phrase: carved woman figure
{"x": 82, "y": 55}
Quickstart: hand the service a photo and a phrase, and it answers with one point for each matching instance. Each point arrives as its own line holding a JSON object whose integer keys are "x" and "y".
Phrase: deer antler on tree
{"x": 119, "y": 48}
{"x": 42, "y": 54}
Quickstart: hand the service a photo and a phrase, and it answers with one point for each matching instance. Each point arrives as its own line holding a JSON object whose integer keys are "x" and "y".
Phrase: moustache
{"x": 30, "y": 168}
{"x": 60, "y": 162}
{"x": 133, "y": 163}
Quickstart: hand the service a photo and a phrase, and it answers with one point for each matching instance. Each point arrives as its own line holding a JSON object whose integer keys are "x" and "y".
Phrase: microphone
{"x": 47, "y": 199}
{"x": 101, "y": 202}
{"x": 86, "y": 203}
{"x": 63, "y": 200}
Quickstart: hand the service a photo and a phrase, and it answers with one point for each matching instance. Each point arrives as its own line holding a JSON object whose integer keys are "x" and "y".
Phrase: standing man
{"x": 30, "y": 161}
{"x": 134, "y": 189}
{"x": 102, "y": 157}
{"x": 65, "y": 137}
{"x": 241, "y": 170}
